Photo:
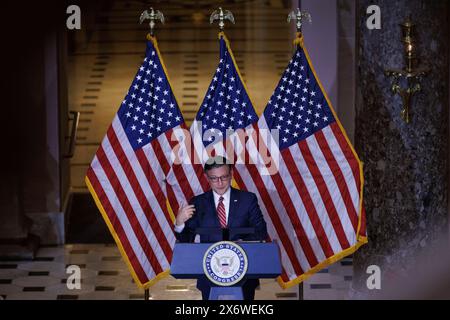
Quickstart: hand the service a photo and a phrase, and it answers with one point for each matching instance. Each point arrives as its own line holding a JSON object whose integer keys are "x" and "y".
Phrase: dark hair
{"x": 216, "y": 162}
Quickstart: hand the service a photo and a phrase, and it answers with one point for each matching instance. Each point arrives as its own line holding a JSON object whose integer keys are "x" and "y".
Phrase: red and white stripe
{"x": 311, "y": 204}
{"x": 183, "y": 178}
{"x": 130, "y": 187}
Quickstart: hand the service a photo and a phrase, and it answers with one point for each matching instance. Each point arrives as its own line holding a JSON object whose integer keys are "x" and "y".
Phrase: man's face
{"x": 219, "y": 179}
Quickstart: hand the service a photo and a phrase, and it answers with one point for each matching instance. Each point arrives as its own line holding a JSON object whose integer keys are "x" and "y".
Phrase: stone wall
{"x": 405, "y": 165}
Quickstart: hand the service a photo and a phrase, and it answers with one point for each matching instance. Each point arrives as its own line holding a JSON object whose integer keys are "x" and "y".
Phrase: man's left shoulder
{"x": 244, "y": 194}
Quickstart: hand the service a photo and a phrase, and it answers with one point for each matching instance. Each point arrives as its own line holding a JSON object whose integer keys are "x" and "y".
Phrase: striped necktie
{"x": 221, "y": 213}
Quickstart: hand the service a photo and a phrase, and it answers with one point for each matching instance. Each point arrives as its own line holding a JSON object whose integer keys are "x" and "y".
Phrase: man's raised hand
{"x": 185, "y": 213}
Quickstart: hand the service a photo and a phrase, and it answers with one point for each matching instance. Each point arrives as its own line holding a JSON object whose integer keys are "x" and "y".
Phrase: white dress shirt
{"x": 226, "y": 202}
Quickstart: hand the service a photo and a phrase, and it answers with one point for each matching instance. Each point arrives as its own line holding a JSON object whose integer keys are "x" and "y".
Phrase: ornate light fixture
{"x": 410, "y": 75}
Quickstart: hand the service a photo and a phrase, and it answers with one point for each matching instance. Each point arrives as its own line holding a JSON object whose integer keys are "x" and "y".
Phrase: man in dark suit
{"x": 221, "y": 207}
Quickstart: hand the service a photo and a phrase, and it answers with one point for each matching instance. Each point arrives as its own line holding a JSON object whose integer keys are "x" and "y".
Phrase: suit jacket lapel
{"x": 213, "y": 208}
{"x": 234, "y": 204}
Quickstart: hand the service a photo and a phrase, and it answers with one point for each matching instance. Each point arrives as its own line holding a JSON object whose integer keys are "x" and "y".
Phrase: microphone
{"x": 226, "y": 234}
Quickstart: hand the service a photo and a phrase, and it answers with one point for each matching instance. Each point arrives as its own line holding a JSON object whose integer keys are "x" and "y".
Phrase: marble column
{"x": 405, "y": 165}
{"x": 34, "y": 128}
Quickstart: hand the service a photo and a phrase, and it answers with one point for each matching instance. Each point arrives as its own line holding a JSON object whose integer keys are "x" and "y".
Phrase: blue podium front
{"x": 193, "y": 260}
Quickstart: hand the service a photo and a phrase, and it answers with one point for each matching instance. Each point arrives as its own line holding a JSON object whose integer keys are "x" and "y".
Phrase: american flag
{"x": 132, "y": 173}
{"x": 313, "y": 200}
{"x": 296, "y": 158}
{"x": 225, "y": 110}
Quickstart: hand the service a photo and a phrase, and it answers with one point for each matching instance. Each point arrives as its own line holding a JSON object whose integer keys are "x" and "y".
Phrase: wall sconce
{"x": 410, "y": 75}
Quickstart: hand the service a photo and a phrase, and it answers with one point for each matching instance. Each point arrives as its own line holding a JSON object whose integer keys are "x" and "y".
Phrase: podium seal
{"x": 225, "y": 263}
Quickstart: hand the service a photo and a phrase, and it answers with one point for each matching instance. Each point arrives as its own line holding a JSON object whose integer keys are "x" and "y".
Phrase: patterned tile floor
{"x": 104, "y": 275}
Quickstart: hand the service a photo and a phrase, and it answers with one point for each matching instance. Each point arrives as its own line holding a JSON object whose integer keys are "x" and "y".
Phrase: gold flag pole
{"x": 153, "y": 16}
{"x": 298, "y": 16}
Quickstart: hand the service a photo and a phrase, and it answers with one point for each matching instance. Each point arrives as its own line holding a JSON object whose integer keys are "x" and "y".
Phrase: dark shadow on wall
{"x": 84, "y": 223}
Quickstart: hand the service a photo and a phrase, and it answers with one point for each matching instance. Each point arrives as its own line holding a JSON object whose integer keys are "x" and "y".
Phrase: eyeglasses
{"x": 222, "y": 178}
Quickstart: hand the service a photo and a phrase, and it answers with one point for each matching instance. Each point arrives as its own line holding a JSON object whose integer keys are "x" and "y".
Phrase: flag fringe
{"x": 361, "y": 241}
